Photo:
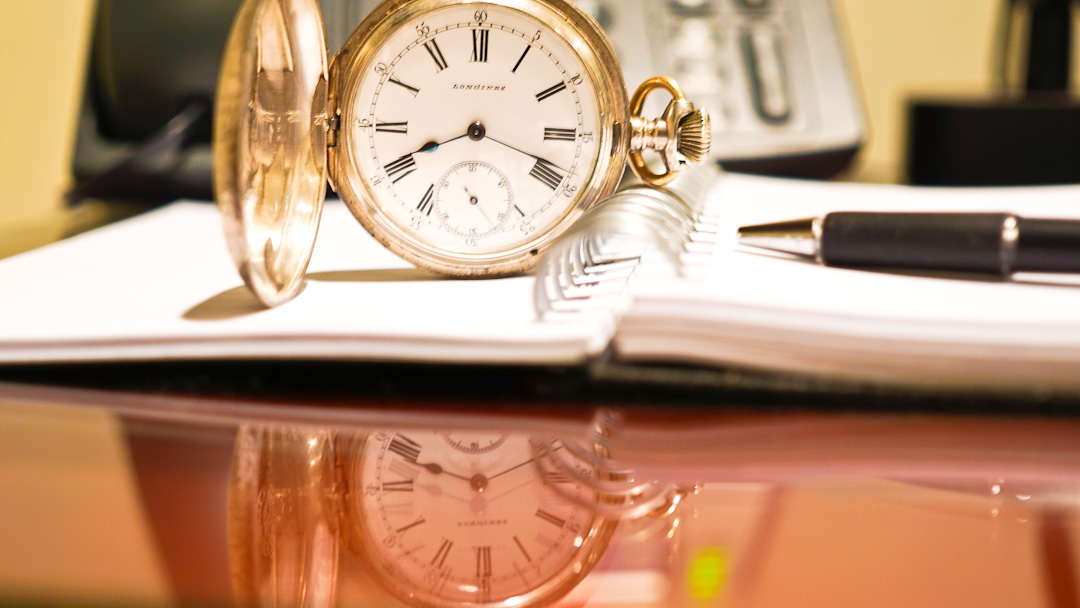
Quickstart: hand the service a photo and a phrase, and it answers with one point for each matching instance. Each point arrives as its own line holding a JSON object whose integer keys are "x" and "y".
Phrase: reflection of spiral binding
{"x": 590, "y": 267}
{"x": 617, "y": 494}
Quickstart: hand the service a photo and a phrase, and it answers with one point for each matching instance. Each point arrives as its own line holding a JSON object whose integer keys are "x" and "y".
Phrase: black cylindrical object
{"x": 994, "y": 243}
{"x": 1048, "y": 245}
{"x": 956, "y": 241}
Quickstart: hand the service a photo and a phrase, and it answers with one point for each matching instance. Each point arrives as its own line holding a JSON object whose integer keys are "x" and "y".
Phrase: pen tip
{"x": 797, "y": 237}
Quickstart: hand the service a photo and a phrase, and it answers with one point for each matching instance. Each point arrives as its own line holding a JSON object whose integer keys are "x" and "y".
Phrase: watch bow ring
{"x": 465, "y": 136}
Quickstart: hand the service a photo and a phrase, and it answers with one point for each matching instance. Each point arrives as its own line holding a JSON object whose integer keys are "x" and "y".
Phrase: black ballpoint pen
{"x": 992, "y": 243}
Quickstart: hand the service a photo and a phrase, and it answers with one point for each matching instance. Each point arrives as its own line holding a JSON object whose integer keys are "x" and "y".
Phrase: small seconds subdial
{"x": 474, "y": 443}
{"x": 473, "y": 199}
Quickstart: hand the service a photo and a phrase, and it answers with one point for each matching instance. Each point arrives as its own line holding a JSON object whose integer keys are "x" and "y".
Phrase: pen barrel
{"x": 1048, "y": 245}
{"x": 970, "y": 242}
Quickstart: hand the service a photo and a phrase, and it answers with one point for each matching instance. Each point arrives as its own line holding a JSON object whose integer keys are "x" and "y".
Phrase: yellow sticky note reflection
{"x": 707, "y": 574}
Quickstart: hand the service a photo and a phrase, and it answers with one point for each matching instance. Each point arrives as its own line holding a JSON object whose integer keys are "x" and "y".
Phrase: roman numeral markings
{"x": 405, "y": 485}
{"x": 483, "y": 562}
{"x": 480, "y": 45}
{"x": 405, "y": 447}
{"x": 546, "y": 173}
{"x": 396, "y": 127}
{"x": 407, "y": 87}
{"x": 550, "y": 518}
{"x": 440, "y": 555}
{"x": 554, "y": 134}
{"x": 400, "y": 168}
{"x": 426, "y": 204}
{"x": 436, "y": 55}
{"x": 520, "y": 59}
{"x": 552, "y": 90}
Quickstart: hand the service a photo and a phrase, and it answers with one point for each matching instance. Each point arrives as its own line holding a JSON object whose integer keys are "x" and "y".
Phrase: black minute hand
{"x": 517, "y": 466}
{"x": 516, "y": 149}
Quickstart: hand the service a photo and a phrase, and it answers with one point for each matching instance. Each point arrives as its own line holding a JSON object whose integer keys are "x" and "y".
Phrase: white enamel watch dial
{"x": 477, "y": 130}
{"x": 474, "y": 92}
{"x": 466, "y": 519}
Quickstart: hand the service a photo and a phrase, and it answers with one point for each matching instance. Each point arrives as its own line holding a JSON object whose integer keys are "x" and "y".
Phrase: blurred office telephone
{"x": 774, "y": 74}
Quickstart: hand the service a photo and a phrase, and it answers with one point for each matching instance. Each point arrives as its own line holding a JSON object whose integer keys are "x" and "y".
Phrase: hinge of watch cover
{"x": 333, "y": 124}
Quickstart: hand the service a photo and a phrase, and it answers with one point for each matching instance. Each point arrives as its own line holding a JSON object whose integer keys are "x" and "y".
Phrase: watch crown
{"x": 682, "y": 129}
{"x": 694, "y": 135}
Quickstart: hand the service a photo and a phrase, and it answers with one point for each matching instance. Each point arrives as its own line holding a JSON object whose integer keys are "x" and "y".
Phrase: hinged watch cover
{"x": 270, "y": 143}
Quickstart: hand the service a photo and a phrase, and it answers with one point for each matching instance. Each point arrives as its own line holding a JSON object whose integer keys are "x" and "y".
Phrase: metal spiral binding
{"x": 616, "y": 492}
{"x": 588, "y": 272}
{"x": 591, "y": 266}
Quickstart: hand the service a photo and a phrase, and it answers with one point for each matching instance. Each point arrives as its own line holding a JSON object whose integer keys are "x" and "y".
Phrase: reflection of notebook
{"x": 160, "y": 286}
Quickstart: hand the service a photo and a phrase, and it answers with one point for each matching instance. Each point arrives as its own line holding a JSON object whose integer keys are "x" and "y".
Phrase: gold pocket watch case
{"x": 465, "y": 136}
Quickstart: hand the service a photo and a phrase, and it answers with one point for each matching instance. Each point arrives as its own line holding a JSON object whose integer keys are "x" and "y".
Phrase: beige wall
{"x": 911, "y": 47}
{"x": 42, "y": 47}
{"x": 900, "y": 47}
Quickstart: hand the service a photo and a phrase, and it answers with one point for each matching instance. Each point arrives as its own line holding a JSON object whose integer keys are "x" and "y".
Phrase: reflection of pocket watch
{"x": 284, "y": 523}
{"x": 467, "y": 519}
{"x": 464, "y": 135}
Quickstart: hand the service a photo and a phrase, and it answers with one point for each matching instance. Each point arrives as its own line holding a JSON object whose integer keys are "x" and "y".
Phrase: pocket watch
{"x": 456, "y": 519}
{"x": 464, "y": 135}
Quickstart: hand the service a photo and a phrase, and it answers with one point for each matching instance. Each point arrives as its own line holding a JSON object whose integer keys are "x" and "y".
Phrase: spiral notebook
{"x": 651, "y": 287}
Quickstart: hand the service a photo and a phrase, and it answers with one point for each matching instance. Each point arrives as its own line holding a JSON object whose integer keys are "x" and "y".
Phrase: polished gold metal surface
{"x": 682, "y": 129}
{"x": 270, "y": 143}
{"x": 694, "y": 135}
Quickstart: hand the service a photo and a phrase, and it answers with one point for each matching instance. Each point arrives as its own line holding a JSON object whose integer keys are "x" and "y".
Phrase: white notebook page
{"x": 162, "y": 286}
{"x": 775, "y": 312}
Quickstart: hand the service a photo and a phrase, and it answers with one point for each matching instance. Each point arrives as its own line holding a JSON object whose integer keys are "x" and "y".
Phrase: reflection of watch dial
{"x": 466, "y": 519}
{"x": 473, "y": 200}
{"x": 474, "y": 443}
